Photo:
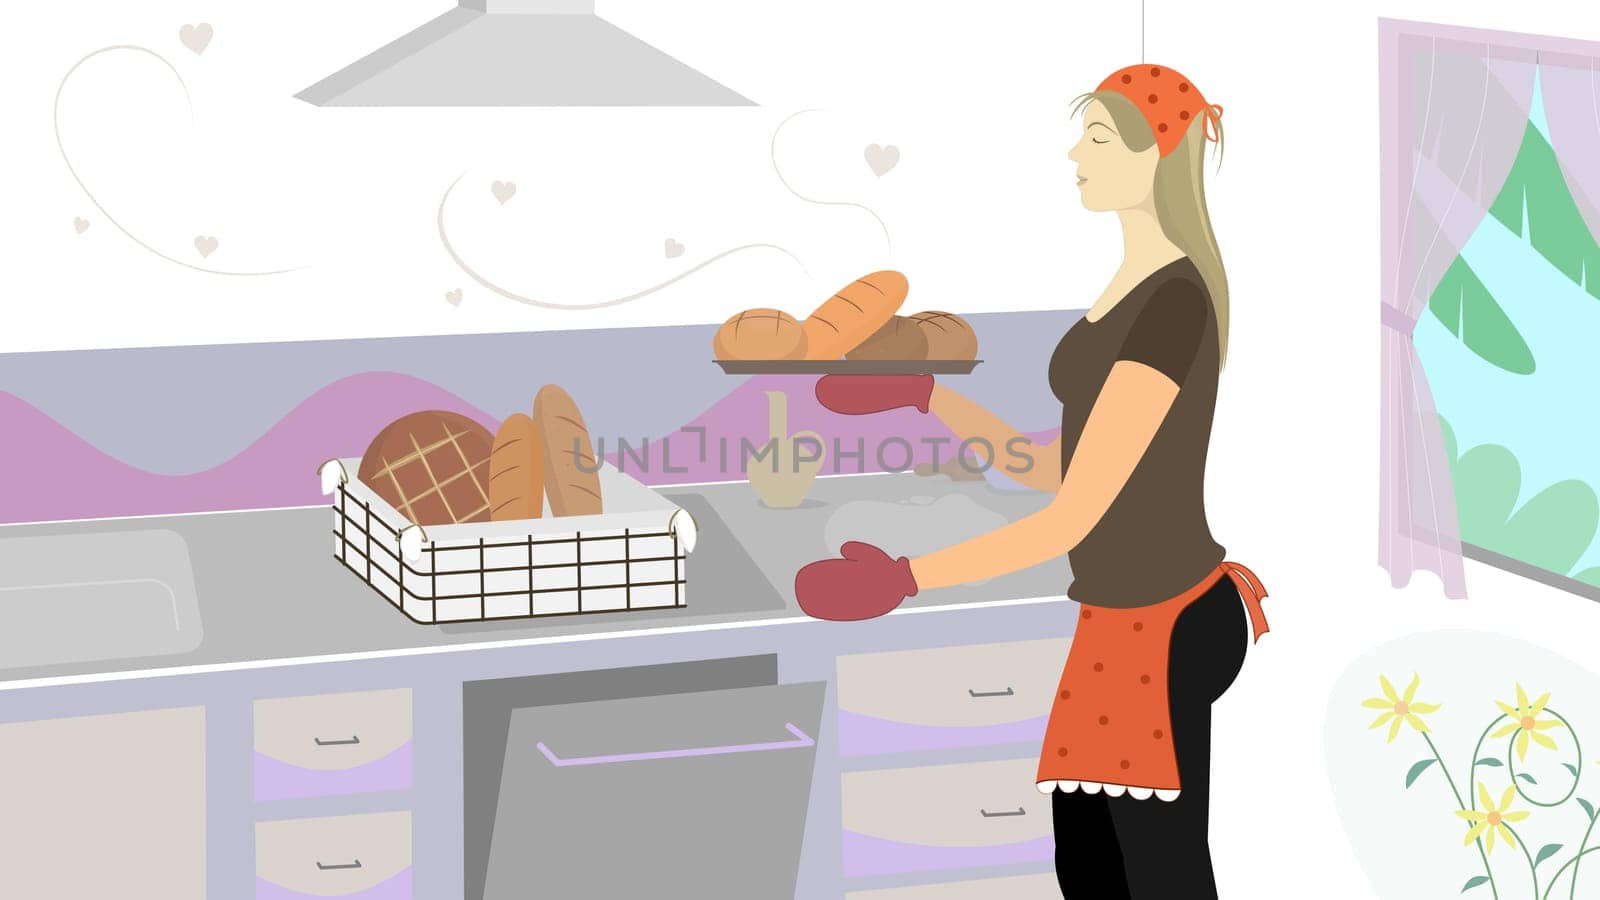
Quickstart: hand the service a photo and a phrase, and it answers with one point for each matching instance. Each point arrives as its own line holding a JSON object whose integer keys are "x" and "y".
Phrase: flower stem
{"x": 1532, "y": 869}
{"x": 1488, "y": 872}
{"x": 1511, "y": 765}
{"x": 1565, "y": 866}
{"x": 1572, "y": 891}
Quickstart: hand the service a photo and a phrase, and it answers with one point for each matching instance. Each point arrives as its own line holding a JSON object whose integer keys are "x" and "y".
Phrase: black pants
{"x": 1122, "y": 848}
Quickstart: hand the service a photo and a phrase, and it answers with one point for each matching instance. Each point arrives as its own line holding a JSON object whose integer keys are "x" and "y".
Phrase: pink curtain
{"x": 1454, "y": 107}
{"x": 1571, "y": 86}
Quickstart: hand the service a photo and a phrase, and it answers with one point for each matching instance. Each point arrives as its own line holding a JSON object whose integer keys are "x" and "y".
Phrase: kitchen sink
{"x": 77, "y": 598}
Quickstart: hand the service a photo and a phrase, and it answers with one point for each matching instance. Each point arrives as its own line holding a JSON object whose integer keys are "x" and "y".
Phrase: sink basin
{"x": 76, "y": 598}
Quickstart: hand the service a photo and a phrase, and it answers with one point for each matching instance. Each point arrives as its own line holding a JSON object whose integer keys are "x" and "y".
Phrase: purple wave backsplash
{"x": 48, "y": 473}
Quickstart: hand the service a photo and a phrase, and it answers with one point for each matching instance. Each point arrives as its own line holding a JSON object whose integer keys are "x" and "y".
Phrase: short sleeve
{"x": 1166, "y": 334}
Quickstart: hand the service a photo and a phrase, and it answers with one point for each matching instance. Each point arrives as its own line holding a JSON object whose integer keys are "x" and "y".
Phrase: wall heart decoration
{"x": 674, "y": 249}
{"x": 882, "y": 159}
{"x": 196, "y": 37}
{"x": 453, "y": 297}
{"x": 80, "y": 225}
{"x": 206, "y": 245}
{"x": 503, "y": 191}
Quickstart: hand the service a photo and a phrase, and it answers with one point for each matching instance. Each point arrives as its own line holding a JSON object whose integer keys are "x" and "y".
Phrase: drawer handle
{"x": 352, "y": 739}
{"x": 1005, "y": 693}
{"x": 327, "y": 867}
{"x": 801, "y": 739}
{"x": 1019, "y": 811}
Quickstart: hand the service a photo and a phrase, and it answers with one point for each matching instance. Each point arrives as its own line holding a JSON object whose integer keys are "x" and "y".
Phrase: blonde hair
{"x": 1180, "y": 195}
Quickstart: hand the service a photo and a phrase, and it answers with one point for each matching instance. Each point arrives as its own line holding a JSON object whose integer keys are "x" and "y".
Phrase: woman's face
{"x": 1111, "y": 176}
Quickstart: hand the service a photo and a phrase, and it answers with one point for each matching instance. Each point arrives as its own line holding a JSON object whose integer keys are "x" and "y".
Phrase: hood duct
{"x": 519, "y": 53}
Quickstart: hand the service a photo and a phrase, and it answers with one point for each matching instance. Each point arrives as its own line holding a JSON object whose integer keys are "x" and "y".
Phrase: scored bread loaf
{"x": 432, "y": 467}
{"x": 760, "y": 334}
{"x": 949, "y": 336}
{"x": 853, "y": 314}
{"x": 571, "y": 474}
{"x": 516, "y": 471}
{"x": 899, "y": 338}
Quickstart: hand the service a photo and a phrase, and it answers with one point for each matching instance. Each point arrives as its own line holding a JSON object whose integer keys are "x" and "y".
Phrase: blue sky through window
{"x": 1545, "y": 418}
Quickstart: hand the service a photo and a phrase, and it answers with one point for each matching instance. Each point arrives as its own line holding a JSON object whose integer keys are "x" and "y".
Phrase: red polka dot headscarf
{"x": 1167, "y": 100}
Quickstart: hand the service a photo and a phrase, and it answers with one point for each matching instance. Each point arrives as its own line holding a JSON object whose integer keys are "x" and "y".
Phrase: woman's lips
{"x": 1081, "y": 180}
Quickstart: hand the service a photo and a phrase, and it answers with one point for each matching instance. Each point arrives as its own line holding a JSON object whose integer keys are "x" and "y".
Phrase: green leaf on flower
{"x": 1526, "y": 777}
{"x": 1571, "y": 768}
{"x": 1473, "y": 882}
{"x": 1545, "y": 852}
{"x": 1587, "y": 808}
{"x": 1417, "y": 769}
{"x": 1490, "y": 761}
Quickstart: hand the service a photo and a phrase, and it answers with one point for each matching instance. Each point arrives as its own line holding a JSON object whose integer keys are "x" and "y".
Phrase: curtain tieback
{"x": 1397, "y": 320}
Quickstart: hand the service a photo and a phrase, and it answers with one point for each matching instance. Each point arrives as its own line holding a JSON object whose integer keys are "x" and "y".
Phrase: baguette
{"x": 516, "y": 471}
{"x": 850, "y": 316}
{"x": 571, "y": 474}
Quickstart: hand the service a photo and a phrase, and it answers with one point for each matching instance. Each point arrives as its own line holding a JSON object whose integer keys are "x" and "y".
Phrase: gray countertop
{"x": 269, "y": 588}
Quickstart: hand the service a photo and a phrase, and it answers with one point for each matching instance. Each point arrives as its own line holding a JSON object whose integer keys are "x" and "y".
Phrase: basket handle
{"x": 682, "y": 526}
{"x": 333, "y": 474}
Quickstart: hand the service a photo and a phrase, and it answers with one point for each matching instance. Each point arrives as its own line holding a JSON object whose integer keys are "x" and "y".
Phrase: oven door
{"x": 691, "y": 794}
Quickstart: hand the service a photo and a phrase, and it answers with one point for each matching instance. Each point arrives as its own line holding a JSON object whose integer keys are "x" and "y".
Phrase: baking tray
{"x": 848, "y": 366}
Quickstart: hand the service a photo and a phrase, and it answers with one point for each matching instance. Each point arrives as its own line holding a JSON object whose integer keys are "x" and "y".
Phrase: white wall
{"x": 980, "y": 209}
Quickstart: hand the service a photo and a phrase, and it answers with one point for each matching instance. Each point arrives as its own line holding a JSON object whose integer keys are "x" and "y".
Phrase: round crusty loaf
{"x": 949, "y": 336}
{"x": 853, "y": 314}
{"x": 899, "y": 338}
{"x": 760, "y": 334}
{"x": 433, "y": 467}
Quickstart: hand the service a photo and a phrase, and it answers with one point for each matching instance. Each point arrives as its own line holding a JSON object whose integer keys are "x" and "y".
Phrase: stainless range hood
{"x": 519, "y": 53}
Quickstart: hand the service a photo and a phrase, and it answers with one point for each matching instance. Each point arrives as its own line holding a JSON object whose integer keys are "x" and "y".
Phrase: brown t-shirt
{"x": 1154, "y": 541}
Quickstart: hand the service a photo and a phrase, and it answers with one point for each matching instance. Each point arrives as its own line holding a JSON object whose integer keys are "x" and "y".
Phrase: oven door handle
{"x": 799, "y": 739}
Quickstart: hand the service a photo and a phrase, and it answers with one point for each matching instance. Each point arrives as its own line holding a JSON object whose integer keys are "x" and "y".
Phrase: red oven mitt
{"x": 864, "y": 584}
{"x": 858, "y": 395}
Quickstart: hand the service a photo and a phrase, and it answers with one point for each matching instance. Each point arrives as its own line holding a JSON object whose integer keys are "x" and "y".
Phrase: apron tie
{"x": 1252, "y": 592}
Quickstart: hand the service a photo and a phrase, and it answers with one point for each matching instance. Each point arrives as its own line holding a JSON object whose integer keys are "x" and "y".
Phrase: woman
{"x": 1162, "y": 618}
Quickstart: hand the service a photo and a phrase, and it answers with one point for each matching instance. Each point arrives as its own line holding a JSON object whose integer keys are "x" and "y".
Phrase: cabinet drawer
{"x": 942, "y": 817}
{"x": 1016, "y": 887}
{"x": 329, "y": 744}
{"x": 704, "y": 791}
{"x": 340, "y": 856}
{"x": 968, "y": 696}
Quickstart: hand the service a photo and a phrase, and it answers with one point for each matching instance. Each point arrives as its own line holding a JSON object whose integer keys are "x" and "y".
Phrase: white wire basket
{"x": 634, "y": 556}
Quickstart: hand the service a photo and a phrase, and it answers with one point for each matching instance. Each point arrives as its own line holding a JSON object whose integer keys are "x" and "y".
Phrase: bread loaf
{"x": 949, "y": 336}
{"x": 433, "y": 467}
{"x": 899, "y": 338}
{"x": 853, "y": 314}
{"x": 760, "y": 334}
{"x": 571, "y": 474}
{"x": 516, "y": 471}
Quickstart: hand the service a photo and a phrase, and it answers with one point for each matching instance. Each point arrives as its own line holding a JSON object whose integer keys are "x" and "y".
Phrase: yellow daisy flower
{"x": 1491, "y": 818}
{"x": 1525, "y": 722}
{"x": 1399, "y": 708}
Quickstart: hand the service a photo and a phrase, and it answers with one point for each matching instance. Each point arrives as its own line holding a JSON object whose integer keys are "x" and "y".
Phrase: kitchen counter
{"x": 270, "y": 591}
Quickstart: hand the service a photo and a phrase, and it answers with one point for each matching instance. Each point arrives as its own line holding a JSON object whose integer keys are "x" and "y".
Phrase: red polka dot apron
{"x": 1110, "y": 723}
